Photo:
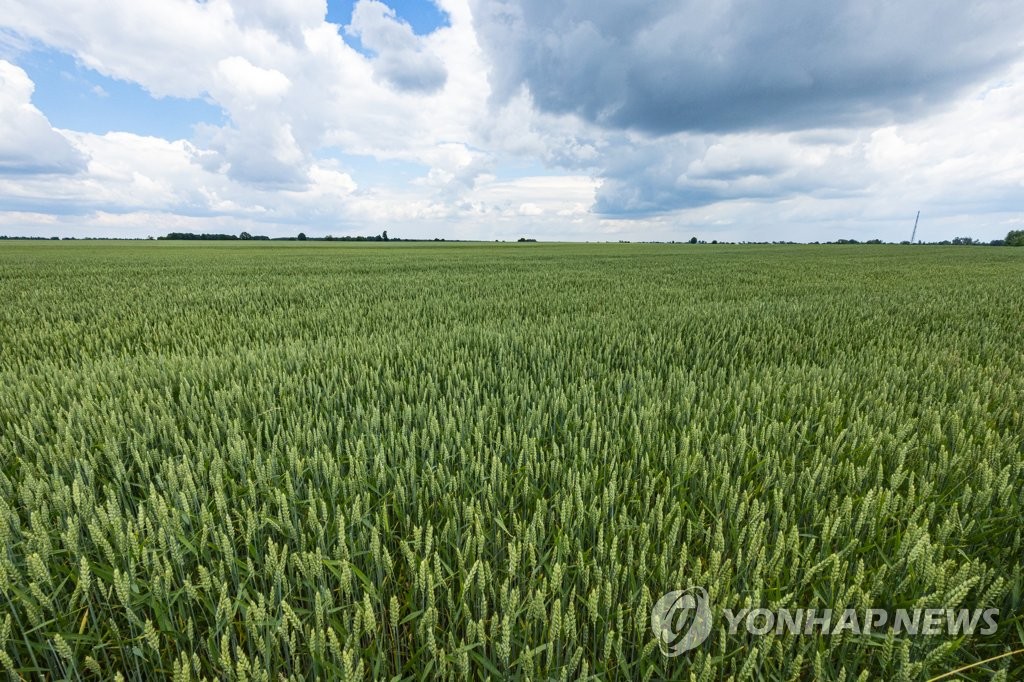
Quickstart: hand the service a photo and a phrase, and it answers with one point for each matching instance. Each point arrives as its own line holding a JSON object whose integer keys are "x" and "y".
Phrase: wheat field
{"x": 291, "y": 461}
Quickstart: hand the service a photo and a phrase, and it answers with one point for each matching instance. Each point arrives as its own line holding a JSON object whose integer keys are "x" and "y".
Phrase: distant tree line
{"x": 1013, "y": 238}
{"x": 382, "y": 237}
{"x": 205, "y": 237}
{"x": 301, "y": 237}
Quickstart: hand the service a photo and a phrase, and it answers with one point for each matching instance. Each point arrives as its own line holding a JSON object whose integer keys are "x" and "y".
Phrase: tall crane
{"x": 914, "y": 233}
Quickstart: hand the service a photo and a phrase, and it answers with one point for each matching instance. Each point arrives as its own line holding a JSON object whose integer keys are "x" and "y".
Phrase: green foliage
{"x": 226, "y": 461}
{"x": 1015, "y": 238}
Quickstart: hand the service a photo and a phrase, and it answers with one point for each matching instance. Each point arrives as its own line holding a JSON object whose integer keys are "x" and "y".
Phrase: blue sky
{"x": 582, "y": 120}
{"x": 423, "y": 16}
{"x": 76, "y": 97}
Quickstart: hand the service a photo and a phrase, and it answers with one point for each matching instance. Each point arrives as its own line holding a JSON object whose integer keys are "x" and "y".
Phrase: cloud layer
{"x": 570, "y": 120}
{"x": 664, "y": 66}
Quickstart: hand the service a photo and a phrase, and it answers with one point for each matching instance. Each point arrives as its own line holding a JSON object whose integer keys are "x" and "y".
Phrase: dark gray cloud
{"x": 655, "y": 176}
{"x": 401, "y": 59}
{"x": 664, "y": 66}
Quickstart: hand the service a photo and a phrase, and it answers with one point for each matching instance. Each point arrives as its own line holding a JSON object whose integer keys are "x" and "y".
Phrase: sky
{"x": 578, "y": 120}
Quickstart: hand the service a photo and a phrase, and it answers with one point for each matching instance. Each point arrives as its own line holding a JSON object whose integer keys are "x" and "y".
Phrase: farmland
{"x": 417, "y": 461}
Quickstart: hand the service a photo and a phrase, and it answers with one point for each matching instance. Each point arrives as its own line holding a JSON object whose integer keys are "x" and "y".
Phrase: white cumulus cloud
{"x": 28, "y": 143}
{"x": 403, "y": 58}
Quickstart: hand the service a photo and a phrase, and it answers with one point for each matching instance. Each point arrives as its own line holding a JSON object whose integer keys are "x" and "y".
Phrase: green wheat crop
{"x": 301, "y": 461}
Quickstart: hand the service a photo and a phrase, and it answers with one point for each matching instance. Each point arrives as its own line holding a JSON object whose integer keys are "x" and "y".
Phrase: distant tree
{"x": 384, "y": 236}
{"x": 205, "y": 236}
{"x": 997, "y": 242}
{"x": 693, "y": 240}
{"x": 302, "y": 236}
{"x": 1015, "y": 238}
{"x": 963, "y": 241}
{"x": 245, "y": 235}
